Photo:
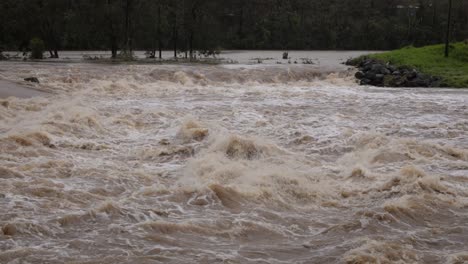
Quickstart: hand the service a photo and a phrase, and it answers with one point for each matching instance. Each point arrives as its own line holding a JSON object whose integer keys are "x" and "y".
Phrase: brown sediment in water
{"x": 381, "y": 252}
{"x": 191, "y": 130}
{"x": 178, "y": 164}
{"x": 11, "y": 89}
{"x": 242, "y": 148}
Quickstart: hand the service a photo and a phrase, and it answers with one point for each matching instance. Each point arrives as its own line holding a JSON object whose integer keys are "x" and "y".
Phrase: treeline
{"x": 206, "y": 25}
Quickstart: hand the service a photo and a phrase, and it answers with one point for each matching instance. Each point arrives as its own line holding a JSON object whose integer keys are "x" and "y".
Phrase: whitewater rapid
{"x": 230, "y": 164}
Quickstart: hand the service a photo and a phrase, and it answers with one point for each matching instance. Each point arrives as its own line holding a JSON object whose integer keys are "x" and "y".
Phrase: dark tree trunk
{"x": 128, "y": 41}
{"x": 55, "y": 44}
{"x": 191, "y": 45}
{"x": 174, "y": 34}
{"x": 449, "y": 21}
{"x": 112, "y": 36}
{"x": 240, "y": 32}
{"x": 159, "y": 32}
{"x": 192, "y": 29}
{"x": 114, "y": 47}
{"x": 175, "y": 42}
{"x": 53, "y": 50}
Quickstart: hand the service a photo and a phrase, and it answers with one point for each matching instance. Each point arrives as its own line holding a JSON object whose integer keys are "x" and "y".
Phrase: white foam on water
{"x": 185, "y": 164}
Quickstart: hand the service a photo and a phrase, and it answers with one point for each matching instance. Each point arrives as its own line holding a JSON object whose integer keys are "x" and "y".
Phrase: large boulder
{"x": 359, "y": 75}
{"x": 365, "y": 81}
{"x": 379, "y": 69}
{"x": 370, "y": 75}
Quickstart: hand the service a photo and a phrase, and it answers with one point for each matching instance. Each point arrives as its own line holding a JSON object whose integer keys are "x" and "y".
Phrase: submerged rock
{"x": 32, "y": 79}
{"x": 377, "y": 73}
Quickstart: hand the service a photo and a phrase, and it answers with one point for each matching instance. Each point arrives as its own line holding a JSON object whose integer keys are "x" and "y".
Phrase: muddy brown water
{"x": 230, "y": 164}
{"x": 12, "y": 89}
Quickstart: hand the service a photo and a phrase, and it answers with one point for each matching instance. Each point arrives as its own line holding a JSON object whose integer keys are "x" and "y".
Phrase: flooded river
{"x": 230, "y": 164}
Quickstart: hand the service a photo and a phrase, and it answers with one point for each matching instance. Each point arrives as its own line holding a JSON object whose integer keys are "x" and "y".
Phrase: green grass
{"x": 430, "y": 60}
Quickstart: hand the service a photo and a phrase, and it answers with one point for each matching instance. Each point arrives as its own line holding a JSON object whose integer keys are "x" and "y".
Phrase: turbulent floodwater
{"x": 218, "y": 164}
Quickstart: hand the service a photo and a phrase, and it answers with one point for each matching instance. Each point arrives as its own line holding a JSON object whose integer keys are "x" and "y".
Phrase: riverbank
{"x": 430, "y": 61}
{"x": 240, "y": 57}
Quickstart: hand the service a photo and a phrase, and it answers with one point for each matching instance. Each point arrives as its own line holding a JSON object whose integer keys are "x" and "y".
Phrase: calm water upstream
{"x": 238, "y": 163}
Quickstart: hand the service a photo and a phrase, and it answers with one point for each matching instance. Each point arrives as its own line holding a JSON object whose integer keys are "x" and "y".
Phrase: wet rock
{"x": 359, "y": 75}
{"x": 412, "y": 75}
{"x": 370, "y": 75}
{"x": 379, "y": 69}
{"x": 419, "y": 81}
{"x": 379, "y": 76}
{"x": 32, "y": 79}
{"x": 391, "y": 68}
{"x": 376, "y": 73}
{"x": 365, "y": 81}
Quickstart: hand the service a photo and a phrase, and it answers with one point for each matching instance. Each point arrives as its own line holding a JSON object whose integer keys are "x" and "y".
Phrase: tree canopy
{"x": 229, "y": 24}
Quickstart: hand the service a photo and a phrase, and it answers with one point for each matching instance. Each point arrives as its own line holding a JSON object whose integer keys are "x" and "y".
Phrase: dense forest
{"x": 187, "y": 25}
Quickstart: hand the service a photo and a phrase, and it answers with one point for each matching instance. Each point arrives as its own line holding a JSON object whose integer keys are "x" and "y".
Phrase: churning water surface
{"x": 230, "y": 164}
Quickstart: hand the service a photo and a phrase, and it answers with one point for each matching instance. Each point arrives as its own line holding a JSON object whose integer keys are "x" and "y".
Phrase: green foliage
{"x": 126, "y": 55}
{"x": 231, "y": 24}
{"x": 37, "y": 47}
{"x": 431, "y": 60}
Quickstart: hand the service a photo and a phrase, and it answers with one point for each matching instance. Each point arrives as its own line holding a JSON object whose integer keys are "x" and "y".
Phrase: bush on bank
{"x": 37, "y": 47}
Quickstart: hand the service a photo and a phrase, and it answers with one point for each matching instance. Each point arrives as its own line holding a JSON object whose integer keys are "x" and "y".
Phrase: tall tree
{"x": 175, "y": 25}
{"x": 112, "y": 27}
{"x": 51, "y": 22}
{"x": 128, "y": 24}
{"x": 160, "y": 29}
{"x": 191, "y": 25}
{"x": 449, "y": 21}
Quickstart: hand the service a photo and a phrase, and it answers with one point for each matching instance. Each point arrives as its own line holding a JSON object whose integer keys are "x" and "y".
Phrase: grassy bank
{"x": 430, "y": 60}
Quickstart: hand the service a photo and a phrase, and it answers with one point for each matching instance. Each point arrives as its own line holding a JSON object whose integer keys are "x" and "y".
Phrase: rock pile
{"x": 377, "y": 73}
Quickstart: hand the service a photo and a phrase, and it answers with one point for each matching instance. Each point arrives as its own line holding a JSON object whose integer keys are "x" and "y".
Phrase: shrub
{"x": 37, "y": 47}
{"x": 126, "y": 55}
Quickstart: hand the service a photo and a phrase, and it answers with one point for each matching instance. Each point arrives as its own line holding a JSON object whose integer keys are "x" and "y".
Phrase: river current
{"x": 230, "y": 164}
